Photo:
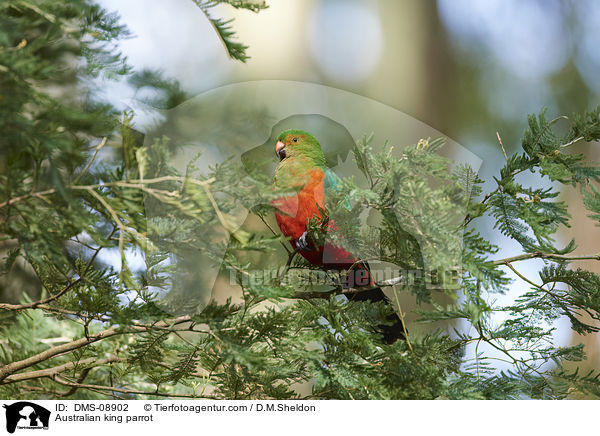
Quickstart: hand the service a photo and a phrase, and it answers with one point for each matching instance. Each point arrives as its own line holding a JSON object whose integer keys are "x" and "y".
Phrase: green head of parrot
{"x": 294, "y": 143}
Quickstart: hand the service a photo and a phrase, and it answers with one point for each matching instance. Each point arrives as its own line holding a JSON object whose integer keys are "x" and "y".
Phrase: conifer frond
{"x": 236, "y": 50}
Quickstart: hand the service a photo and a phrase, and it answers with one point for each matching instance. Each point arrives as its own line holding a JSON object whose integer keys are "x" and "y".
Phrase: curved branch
{"x": 35, "y": 304}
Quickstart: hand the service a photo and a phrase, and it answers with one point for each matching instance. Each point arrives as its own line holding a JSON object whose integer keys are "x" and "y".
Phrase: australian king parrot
{"x": 302, "y": 166}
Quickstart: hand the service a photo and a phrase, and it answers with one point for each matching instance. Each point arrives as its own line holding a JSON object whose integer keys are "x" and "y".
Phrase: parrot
{"x": 302, "y": 166}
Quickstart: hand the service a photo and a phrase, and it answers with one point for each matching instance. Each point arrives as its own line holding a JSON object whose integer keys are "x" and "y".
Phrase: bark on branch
{"x": 13, "y": 367}
{"x": 51, "y": 372}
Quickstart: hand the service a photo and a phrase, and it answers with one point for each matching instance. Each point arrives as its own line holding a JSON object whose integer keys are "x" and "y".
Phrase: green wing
{"x": 331, "y": 184}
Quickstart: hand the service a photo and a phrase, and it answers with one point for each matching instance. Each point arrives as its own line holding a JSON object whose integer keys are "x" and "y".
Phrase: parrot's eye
{"x": 295, "y": 139}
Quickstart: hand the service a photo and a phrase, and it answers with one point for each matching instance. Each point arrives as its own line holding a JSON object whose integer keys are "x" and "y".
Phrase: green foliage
{"x": 236, "y": 50}
{"x": 76, "y": 189}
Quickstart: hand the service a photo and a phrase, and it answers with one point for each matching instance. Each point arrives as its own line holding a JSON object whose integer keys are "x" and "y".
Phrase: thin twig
{"x": 502, "y": 145}
{"x": 349, "y": 291}
{"x": 138, "y": 183}
{"x": 540, "y": 255}
{"x": 273, "y": 231}
{"x": 572, "y": 142}
{"x": 39, "y": 194}
{"x": 115, "y": 216}
{"x": 37, "y": 304}
{"x": 89, "y": 164}
{"x": 401, "y": 315}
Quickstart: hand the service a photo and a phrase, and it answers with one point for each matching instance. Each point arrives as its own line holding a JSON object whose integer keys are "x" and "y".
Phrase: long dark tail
{"x": 391, "y": 332}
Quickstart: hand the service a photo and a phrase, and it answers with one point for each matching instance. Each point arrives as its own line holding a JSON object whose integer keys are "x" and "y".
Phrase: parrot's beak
{"x": 280, "y": 150}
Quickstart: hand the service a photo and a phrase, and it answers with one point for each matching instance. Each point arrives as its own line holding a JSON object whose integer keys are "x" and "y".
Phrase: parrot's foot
{"x": 302, "y": 243}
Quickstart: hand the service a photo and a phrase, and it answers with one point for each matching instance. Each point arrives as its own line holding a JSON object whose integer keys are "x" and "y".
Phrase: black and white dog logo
{"x": 26, "y": 415}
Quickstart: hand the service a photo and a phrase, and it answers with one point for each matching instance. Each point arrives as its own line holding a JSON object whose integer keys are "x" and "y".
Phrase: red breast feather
{"x": 299, "y": 208}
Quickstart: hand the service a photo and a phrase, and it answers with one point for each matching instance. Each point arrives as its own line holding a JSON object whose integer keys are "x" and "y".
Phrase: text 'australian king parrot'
{"x": 303, "y": 167}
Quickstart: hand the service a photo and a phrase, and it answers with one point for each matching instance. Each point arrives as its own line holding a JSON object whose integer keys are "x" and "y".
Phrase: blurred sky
{"x": 468, "y": 68}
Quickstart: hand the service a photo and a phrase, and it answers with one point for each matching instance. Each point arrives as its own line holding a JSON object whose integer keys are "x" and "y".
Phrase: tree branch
{"x": 113, "y": 389}
{"x": 139, "y": 184}
{"x": 349, "y": 291}
{"x": 44, "y": 302}
{"x": 51, "y": 372}
{"x": 36, "y": 304}
{"x": 89, "y": 164}
{"x": 13, "y": 367}
{"x": 540, "y": 255}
